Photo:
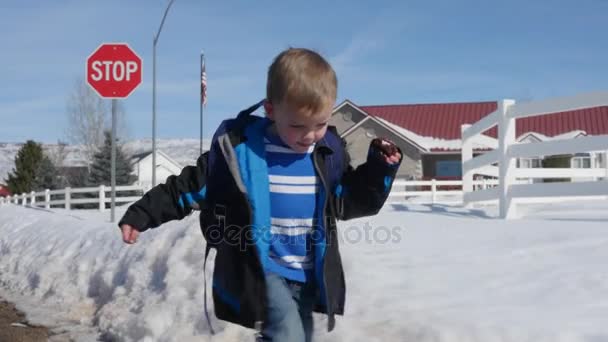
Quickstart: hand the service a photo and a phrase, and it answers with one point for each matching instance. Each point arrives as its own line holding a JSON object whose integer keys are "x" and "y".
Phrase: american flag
{"x": 203, "y": 81}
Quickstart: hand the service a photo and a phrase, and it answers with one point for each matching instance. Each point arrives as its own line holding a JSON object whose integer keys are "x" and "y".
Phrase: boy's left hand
{"x": 387, "y": 150}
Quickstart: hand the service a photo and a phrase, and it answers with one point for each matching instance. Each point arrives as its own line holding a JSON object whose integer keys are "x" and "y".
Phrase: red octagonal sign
{"x": 114, "y": 70}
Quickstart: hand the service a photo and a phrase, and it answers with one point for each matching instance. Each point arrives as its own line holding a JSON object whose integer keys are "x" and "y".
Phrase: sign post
{"x": 113, "y": 70}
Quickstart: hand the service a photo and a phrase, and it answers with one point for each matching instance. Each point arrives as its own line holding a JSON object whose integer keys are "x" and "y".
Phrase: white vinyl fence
{"x": 432, "y": 191}
{"x": 69, "y": 197}
{"x": 508, "y": 150}
{"x": 402, "y": 190}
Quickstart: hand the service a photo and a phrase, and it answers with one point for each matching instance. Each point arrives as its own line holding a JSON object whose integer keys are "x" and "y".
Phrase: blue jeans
{"x": 290, "y": 305}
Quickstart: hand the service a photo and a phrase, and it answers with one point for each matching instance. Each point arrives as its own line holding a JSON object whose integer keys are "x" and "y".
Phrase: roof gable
{"x": 138, "y": 158}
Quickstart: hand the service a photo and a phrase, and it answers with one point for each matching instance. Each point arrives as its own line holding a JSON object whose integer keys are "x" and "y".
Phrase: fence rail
{"x": 509, "y": 150}
{"x": 65, "y": 197}
{"x": 402, "y": 190}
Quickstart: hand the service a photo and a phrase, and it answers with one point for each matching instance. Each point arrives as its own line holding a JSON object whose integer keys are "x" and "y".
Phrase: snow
{"x": 415, "y": 272}
{"x": 430, "y": 143}
{"x": 564, "y": 136}
{"x": 480, "y": 141}
{"x": 183, "y": 151}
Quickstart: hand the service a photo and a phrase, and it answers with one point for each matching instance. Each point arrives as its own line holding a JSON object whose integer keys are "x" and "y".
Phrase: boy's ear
{"x": 269, "y": 110}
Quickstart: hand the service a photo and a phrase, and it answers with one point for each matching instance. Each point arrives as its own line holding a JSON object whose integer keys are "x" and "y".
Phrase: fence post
{"x": 506, "y": 167}
{"x": 606, "y": 165}
{"x": 102, "y": 198}
{"x": 23, "y": 199}
{"x": 16, "y": 199}
{"x": 47, "y": 199}
{"x": 33, "y": 198}
{"x": 433, "y": 190}
{"x": 467, "y": 154}
{"x": 68, "y": 198}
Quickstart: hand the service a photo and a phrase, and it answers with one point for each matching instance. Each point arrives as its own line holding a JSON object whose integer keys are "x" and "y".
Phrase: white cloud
{"x": 375, "y": 36}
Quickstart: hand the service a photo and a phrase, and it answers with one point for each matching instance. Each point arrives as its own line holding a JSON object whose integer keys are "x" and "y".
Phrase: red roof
{"x": 443, "y": 120}
{"x": 4, "y": 191}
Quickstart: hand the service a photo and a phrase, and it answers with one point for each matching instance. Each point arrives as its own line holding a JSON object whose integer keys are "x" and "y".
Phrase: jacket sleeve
{"x": 173, "y": 200}
{"x": 363, "y": 191}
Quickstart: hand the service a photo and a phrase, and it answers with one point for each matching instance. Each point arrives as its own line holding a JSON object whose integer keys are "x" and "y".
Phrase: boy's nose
{"x": 309, "y": 138}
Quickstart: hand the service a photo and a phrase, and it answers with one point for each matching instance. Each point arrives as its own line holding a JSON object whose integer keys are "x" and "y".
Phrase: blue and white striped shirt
{"x": 293, "y": 190}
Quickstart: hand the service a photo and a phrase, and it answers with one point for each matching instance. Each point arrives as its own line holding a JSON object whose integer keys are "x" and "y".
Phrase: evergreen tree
{"x": 27, "y": 162}
{"x": 46, "y": 176}
{"x": 102, "y": 161}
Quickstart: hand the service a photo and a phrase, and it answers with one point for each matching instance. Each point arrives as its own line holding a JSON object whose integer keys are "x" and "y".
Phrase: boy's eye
{"x": 321, "y": 125}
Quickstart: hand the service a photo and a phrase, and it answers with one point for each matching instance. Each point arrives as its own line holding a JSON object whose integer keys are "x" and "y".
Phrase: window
{"x": 370, "y": 133}
{"x": 529, "y": 163}
{"x": 581, "y": 161}
{"x": 448, "y": 168}
{"x": 347, "y": 116}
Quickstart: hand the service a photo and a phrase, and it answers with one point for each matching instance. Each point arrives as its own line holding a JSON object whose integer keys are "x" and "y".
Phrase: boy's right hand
{"x": 129, "y": 233}
{"x": 386, "y": 150}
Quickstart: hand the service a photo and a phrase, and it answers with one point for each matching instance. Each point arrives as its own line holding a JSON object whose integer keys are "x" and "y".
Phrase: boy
{"x": 270, "y": 191}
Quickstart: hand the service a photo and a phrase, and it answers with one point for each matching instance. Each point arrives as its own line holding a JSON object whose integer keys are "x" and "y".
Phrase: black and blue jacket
{"x": 229, "y": 185}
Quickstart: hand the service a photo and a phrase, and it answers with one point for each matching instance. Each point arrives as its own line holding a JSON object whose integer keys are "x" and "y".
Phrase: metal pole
{"x": 154, "y": 114}
{"x": 113, "y": 167}
{"x": 154, "y": 93}
{"x": 201, "y": 104}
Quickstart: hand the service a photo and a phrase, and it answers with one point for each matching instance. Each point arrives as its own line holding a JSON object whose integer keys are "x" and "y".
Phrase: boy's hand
{"x": 129, "y": 233}
{"x": 388, "y": 151}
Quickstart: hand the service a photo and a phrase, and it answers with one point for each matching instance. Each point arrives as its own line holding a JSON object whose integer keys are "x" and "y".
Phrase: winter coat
{"x": 230, "y": 187}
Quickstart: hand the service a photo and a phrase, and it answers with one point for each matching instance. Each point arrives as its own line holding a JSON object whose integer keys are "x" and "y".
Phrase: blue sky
{"x": 385, "y": 52}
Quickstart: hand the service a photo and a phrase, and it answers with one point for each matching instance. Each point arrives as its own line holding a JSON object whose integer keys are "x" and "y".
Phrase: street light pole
{"x": 154, "y": 94}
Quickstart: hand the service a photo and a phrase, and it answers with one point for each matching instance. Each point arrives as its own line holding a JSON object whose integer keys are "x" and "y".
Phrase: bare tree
{"x": 88, "y": 116}
{"x": 122, "y": 128}
{"x": 57, "y": 154}
{"x": 86, "y": 113}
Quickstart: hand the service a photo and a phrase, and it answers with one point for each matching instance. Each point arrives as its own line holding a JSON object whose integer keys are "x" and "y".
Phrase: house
{"x": 4, "y": 191}
{"x": 142, "y": 167}
{"x": 429, "y": 135}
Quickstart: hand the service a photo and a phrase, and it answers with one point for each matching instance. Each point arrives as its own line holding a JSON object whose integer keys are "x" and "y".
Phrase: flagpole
{"x": 201, "y": 102}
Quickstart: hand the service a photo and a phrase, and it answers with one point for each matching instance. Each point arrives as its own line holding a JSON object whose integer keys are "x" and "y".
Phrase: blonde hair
{"x": 303, "y": 79}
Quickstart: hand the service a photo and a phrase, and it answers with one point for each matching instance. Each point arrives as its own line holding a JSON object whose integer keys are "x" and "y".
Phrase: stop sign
{"x": 114, "y": 70}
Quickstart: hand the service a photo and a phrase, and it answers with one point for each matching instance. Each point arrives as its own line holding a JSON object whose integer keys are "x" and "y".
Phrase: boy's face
{"x": 298, "y": 128}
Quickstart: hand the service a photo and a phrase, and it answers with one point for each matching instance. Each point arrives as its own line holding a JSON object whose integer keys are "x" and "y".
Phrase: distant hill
{"x": 183, "y": 151}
